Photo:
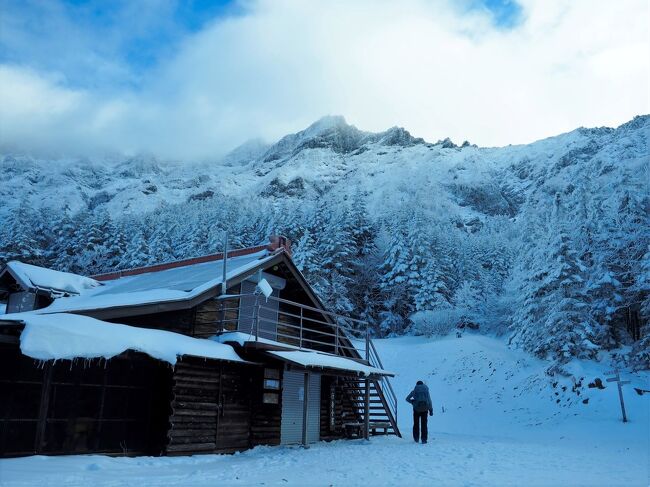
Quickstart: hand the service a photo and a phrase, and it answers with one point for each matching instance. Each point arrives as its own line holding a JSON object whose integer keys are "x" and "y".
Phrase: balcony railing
{"x": 304, "y": 327}
{"x": 295, "y": 324}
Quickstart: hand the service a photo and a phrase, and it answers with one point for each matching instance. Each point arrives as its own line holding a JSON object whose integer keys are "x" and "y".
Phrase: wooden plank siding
{"x": 265, "y": 418}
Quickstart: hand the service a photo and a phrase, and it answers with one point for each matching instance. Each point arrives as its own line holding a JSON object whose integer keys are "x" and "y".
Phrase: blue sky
{"x": 192, "y": 79}
{"x": 134, "y": 36}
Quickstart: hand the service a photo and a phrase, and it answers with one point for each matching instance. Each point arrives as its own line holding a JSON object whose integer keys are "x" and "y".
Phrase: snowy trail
{"x": 502, "y": 425}
{"x": 447, "y": 460}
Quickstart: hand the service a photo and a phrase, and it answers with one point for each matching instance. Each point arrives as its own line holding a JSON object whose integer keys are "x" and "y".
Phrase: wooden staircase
{"x": 382, "y": 407}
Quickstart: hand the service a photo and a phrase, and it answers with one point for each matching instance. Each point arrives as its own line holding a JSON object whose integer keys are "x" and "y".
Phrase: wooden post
{"x": 44, "y": 408}
{"x": 366, "y": 414}
{"x": 305, "y": 412}
{"x": 620, "y": 383}
{"x": 300, "y": 344}
{"x": 367, "y": 345}
{"x": 256, "y": 317}
{"x": 336, "y": 336}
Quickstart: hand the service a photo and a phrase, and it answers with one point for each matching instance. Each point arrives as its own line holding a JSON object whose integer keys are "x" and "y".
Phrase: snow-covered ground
{"x": 499, "y": 420}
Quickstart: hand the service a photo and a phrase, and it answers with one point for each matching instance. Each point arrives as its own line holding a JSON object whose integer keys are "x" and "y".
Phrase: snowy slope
{"x": 549, "y": 241}
{"x": 501, "y": 426}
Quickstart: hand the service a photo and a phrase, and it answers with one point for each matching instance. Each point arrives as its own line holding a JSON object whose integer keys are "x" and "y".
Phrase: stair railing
{"x": 389, "y": 392}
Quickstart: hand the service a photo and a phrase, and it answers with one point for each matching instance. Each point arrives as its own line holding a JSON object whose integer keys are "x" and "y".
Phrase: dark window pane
{"x": 136, "y": 435}
{"x": 19, "y": 437}
{"x": 89, "y": 402}
{"x": 22, "y": 401}
{"x": 55, "y": 437}
{"x": 92, "y": 373}
{"x": 115, "y": 403}
{"x": 16, "y": 366}
{"x": 119, "y": 372}
{"x": 271, "y": 398}
{"x": 81, "y": 435}
{"x": 138, "y": 405}
{"x": 272, "y": 374}
{"x": 63, "y": 402}
{"x": 65, "y": 372}
{"x": 113, "y": 437}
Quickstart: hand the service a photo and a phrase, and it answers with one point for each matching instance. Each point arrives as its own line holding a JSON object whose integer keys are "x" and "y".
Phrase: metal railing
{"x": 304, "y": 327}
{"x": 295, "y": 324}
{"x": 389, "y": 393}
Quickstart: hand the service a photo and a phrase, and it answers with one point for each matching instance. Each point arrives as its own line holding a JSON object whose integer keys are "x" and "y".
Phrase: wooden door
{"x": 234, "y": 419}
{"x": 211, "y": 407}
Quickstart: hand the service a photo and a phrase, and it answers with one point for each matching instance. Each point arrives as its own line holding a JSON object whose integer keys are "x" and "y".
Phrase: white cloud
{"x": 421, "y": 64}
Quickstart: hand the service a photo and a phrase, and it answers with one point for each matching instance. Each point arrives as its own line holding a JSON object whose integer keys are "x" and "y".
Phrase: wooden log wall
{"x": 195, "y": 406}
{"x": 181, "y": 321}
{"x": 211, "y": 315}
{"x": 211, "y": 407}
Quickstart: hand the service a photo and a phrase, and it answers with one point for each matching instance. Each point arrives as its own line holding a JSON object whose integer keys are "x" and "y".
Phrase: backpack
{"x": 421, "y": 406}
{"x": 420, "y": 400}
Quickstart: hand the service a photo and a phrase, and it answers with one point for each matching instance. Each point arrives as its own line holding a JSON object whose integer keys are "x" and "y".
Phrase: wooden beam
{"x": 13, "y": 340}
{"x": 366, "y": 414}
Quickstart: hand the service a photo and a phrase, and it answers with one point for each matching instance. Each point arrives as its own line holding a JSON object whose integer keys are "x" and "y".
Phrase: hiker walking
{"x": 420, "y": 399}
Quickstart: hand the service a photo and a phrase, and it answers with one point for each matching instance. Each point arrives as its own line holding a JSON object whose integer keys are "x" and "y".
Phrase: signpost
{"x": 620, "y": 383}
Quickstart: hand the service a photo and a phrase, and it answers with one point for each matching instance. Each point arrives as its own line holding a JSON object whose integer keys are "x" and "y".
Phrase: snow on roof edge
{"x": 323, "y": 360}
{"x": 62, "y": 336}
{"x": 37, "y": 277}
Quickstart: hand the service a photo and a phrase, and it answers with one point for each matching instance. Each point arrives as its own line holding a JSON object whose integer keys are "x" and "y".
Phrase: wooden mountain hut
{"x": 213, "y": 354}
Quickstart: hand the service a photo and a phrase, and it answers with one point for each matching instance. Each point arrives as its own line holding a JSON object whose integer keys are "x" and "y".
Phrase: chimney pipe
{"x": 279, "y": 242}
{"x": 224, "y": 283}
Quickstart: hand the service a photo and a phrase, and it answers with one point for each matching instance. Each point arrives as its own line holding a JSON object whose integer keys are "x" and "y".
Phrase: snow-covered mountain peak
{"x": 485, "y": 219}
{"x": 327, "y": 124}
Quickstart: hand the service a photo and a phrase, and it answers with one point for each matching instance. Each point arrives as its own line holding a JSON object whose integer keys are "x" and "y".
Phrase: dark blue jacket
{"x": 420, "y": 399}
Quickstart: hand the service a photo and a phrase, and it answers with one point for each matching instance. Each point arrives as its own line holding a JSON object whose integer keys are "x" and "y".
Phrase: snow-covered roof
{"x": 67, "y": 336}
{"x": 324, "y": 360}
{"x": 176, "y": 284}
{"x": 34, "y": 277}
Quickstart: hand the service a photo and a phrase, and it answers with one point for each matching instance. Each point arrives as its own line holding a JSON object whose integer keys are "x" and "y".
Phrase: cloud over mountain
{"x": 274, "y": 66}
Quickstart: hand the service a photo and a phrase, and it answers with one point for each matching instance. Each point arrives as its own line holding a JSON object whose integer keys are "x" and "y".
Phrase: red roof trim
{"x": 179, "y": 263}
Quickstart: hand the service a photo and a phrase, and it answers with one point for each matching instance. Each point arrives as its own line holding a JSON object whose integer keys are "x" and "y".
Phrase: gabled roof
{"x": 174, "y": 284}
{"x": 34, "y": 278}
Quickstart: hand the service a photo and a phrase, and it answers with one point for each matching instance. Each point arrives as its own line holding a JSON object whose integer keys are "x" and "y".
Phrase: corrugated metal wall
{"x": 268, "y": 318}
{"x": 293, "y": 394}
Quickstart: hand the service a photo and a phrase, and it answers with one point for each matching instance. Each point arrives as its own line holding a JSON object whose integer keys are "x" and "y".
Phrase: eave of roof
{"x": 325, "y": 361}
{"x": 165, "y": 300}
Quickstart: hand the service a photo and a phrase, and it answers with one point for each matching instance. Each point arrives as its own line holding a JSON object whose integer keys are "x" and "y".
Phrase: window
{"x": 271, "y": 386}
